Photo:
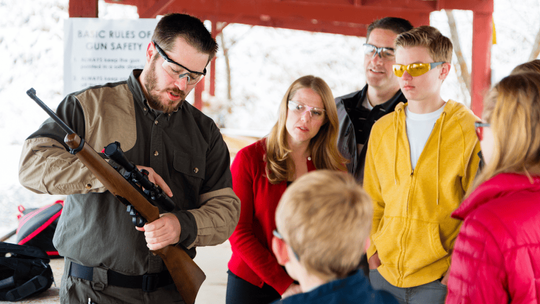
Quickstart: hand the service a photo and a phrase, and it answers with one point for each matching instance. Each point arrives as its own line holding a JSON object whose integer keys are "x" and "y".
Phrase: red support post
{"x": 199, "y": 88}
{"x": 481, "y": 60}
{"x": 83, "y": 8}
{"x": 213, "y": 62}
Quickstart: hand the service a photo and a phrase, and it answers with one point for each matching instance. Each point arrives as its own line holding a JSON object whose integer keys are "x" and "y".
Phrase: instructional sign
{"x": 98, "y": 51}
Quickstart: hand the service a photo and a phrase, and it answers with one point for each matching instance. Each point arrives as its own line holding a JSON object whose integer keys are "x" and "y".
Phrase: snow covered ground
{"x": 264, "y": 62}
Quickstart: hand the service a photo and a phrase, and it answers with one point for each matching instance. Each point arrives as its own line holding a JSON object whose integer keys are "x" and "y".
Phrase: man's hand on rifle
{"x": 156, "y": 179}
{"x": 162, "y": 232}
{"x": 165, "y": 230}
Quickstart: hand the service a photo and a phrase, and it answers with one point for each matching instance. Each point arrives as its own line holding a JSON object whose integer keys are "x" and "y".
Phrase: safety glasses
{"x": 300, "y": 109}
{"x": 479, "y": 127}
{"x": 383, "y": 52}
{"x": 176, "y": 70}
{"x": 414, "y": 69}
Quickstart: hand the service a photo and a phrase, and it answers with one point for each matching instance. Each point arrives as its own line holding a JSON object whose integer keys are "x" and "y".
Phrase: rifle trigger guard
{"x": 79, "y": 148}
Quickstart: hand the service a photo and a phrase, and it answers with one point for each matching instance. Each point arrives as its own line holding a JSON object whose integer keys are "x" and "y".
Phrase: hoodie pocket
{"x": 424, "y": 245}
{"x": 386, "y": 240}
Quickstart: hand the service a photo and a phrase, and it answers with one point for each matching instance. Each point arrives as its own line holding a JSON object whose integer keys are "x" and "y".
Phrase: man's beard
{"x": 153, "y": 97}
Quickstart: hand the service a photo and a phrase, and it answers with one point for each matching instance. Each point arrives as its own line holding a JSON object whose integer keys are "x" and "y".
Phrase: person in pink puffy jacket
{"x": 496, "y": 256}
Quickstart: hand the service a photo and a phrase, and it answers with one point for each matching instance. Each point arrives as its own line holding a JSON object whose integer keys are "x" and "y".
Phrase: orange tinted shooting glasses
{"x": 414, "y": 69}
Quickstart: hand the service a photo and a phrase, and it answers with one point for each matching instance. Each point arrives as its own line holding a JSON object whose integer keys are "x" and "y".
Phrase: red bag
{"x": 37, "y": 226}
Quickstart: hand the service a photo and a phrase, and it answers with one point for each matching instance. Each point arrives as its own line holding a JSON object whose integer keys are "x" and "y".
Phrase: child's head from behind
{"x": 423, "y": 60}
{"x": 325, "y": 217}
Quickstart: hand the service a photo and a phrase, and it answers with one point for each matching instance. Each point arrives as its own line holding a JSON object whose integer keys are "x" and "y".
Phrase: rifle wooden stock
{"x": 187, "y": 275}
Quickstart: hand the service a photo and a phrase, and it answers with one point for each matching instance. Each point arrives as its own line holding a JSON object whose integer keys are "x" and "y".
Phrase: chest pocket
{"x": 190, "y": 180}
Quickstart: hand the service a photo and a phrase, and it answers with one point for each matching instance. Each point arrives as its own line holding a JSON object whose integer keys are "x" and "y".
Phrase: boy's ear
{"x": 445, "y": 70}
{"x": 279, "y": 247}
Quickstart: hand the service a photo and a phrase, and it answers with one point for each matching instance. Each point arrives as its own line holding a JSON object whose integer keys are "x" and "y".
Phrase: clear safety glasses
{"x": 176, "y": 70}
{"x": 300, "y": 109}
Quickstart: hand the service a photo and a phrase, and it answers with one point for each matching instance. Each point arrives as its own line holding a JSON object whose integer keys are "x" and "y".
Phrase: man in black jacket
{"x": 358, "y": 111}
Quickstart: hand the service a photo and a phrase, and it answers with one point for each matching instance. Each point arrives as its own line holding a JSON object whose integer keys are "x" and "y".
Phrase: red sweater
{"x": 496, "y": 257}
{"x": 252, "y": 257}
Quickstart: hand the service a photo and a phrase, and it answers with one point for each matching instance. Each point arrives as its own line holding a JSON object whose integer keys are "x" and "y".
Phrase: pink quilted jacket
{"x": 496, "y": 256}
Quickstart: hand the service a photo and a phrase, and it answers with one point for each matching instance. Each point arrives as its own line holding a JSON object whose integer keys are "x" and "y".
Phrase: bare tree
{"x": 536, "y": 47}
{"x": 225, "y": 49}
{"x": 464, "y": 76}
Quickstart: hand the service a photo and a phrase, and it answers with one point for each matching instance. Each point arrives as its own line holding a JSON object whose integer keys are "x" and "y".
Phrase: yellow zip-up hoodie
{"x": 412, "y": 231}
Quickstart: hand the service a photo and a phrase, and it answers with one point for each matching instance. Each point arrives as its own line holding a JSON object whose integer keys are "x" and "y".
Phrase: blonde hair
{"x": 325, "y": 216}
{"x": 530, "y": 66}
{"x": 323, "y": 147}
{"x": 439, "y": 46}
{"x": 512, "y": 107}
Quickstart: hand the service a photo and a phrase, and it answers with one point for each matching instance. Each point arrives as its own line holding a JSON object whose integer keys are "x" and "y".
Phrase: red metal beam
{"x": 479, "y": 6}
{"x": 83, "y": 8}
{"x": 306, "y": 14}
{"x": 157, "y": 9}
{"x": 348, "y": 17}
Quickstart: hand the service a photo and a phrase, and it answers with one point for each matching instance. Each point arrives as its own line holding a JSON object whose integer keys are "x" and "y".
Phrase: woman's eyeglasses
{"x": 479, "y": 127}
{"x": 414, "y": 69}
{"x": 300, "y": 109}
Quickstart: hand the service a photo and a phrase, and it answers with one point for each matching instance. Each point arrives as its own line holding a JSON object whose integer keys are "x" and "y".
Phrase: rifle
{"x": 187, "y": 275}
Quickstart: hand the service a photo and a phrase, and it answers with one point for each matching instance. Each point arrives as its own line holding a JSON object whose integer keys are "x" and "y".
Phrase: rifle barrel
{"x": 32, "y": 93}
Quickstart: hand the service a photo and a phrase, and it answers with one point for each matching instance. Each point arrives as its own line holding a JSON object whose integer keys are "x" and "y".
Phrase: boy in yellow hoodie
{"x": 421, "y": 160}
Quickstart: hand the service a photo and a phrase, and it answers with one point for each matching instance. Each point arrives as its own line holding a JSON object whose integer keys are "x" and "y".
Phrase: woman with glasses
{"x": 497, "y": 253}
{"x": 303, "y": 139}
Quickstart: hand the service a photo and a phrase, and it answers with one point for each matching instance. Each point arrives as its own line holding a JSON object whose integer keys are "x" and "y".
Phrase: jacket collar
{"x": 355, "y": 99}
{"x": 497, "y": 186}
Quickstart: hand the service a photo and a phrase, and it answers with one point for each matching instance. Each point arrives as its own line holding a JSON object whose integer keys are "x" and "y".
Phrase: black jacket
{"x": 350, "y": 135}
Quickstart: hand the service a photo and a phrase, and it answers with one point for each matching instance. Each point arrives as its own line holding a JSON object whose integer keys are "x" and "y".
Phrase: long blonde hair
{"x": 512, "y": 108}
{"x": 323, "y": 147}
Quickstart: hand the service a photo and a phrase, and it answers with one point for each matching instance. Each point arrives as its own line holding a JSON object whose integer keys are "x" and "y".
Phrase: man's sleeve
{"x": 46, "y": 166}
{"x": 373, "y": 188}
{"x": 219, "y": 209}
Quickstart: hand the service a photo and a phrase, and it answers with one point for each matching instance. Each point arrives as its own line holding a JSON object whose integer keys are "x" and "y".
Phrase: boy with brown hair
{"x": 420, "y": 162}
{"x": 323, "y": 220}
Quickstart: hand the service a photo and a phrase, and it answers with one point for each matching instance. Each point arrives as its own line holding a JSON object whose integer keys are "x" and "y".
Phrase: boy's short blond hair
{"x": 325, "y": 216}
{"x": 440, "y": 47}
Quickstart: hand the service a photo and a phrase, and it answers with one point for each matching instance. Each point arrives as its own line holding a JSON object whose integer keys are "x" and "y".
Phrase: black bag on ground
{"x": 37, "y": 226}
{"x": 24, "y": 271}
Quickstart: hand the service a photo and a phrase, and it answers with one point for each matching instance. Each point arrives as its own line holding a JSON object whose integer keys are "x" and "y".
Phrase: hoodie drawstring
{"x": 439, "y": 154}
{"x": 396, "y": 126}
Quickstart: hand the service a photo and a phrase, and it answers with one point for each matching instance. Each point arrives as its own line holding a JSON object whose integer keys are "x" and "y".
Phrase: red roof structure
{"x": 347, "y": 17}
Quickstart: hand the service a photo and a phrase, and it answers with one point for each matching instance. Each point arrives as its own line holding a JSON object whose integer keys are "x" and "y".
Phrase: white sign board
{"x": 98, "y": 51}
